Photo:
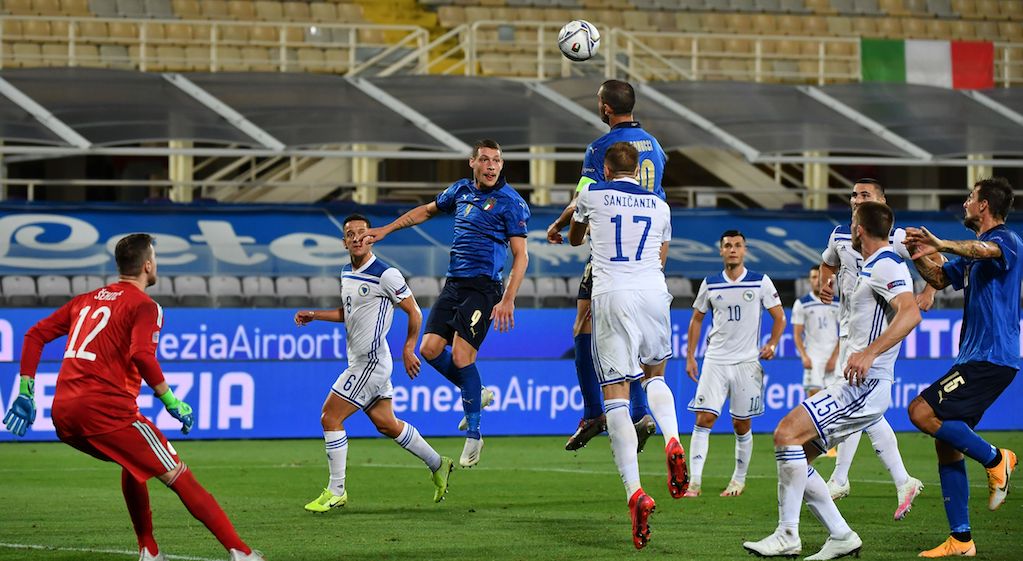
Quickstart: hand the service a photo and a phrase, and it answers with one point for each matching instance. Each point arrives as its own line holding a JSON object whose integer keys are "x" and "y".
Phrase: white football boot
{"x": 782, "y": 543}
{"x": 145, "y": 556}
{"x": 834, "y": 549}
{"x": 254, "y": 556}
{"x": 471, "y": 452}
{"x": 838, "y": 491}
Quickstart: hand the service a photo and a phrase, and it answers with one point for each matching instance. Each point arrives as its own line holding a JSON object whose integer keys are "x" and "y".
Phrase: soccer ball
{"x": 578, "y": 40}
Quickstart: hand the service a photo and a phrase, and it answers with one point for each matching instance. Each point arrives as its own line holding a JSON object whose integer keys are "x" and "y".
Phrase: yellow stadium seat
{"x": 822, "y": 7}
{"x": 91, "y": 30}
{"x": 893, "y": 7}
{"x": 765, "y": 23}
{"x": 87, "y": 55}
{"x": 788, "y": 48}
{"x": 939, "y": 29}
{"x": 682, "y": 45}
{"x": 214, "y": 9}
{"x": 349, "y": 13}
{"x": 371, "y": 37}
{"x": 840, "y": 25}
{"x": 963, "y": 29}
{"x": 1011, "y": 31}
{"x": 914, "y": 28}
{"x": 711, "y": 45}
{"x": 447, "y": 16}
{"x": 917, "y": 8}
{"x": 153, "y": 32}
{"x": 810, "y": 48}
{"x": 264, "y": 34}
{"x": 12, "y": 28}
{"x": 60, "y": 28}
{"x": 739, "y": 46}
{"x": 182, "y": 32}
{"x": 229, "y": 59}
{"x": 1013, "y": 9}
{"x": 19, "y": 7}
{"x": 323, "y": 11}
{"x": 297, "y": 11}
{"x": 198, "y": 57}
{"x": 685, "y": 21}
{"x": 312, "y": 60}
{"x": 988, "y": 9}
{"x": 840, "y": 48}
{"x": 636, "y": 21}
{"x": 260, "y": 59}
{"x": 123, "y": 31}
{"x": 269, "y": 10}
{"x": 172, "y": 58}
{"x": 965, "y": 8}
{"x": 54, "y": 54}
{"x": 890, "y": 28}
{"x": 234, "y": 34}
{"x": 838, "y": 69}
{"x": 713, "y": 23}
{"x": 790, "y": 25}
{"x": 336, "y": 60}
{"x": 186, "y": 9}
{"x": 27, "y": 54}
{"x": 815, "y": 25}
{"x": 47, "y": 8}
{"x": 244, "y": 10}
{"x": 553, "y": 15}
{"x": 660, "y": 43}
{"x": 987, "y": 31}
{"x": 36, "y": 29}
{"x": 662, "y": 21}
{"x": 865, "y": 27}
{"x": 740, "y": 23}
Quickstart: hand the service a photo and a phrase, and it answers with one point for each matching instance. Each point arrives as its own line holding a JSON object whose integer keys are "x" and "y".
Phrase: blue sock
{"x": 955, "y": 490}
{"x": 637, "y": 400}
{"x": 471, "y": 388}
{"x": 962, "y": 438}
{"x": 587, "y": 376}
{"x": 443, "y": 364}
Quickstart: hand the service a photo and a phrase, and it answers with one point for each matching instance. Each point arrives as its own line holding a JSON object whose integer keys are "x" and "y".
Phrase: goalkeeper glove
{"x": 179, "y": 410}
{"x": 22, "y": 413}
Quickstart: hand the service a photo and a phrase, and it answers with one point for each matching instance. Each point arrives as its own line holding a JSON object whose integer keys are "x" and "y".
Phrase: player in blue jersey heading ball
{"x": 490, "y": 219}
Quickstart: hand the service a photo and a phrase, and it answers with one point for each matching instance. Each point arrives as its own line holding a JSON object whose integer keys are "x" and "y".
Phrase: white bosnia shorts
{"x": 365, "y": 383}
{"x": 630, "y": 328}
{"x": 741, "y": 384}
{"x": 842, "y": 409}
{"x": 817, "y": 377}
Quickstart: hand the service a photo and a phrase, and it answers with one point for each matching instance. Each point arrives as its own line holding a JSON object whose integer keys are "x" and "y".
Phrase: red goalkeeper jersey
{"x": 110, "y": 332}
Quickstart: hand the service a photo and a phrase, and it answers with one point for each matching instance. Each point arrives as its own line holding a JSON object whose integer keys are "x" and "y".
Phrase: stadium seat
{"x": 939, "y": 29}
{"x": 681, "y": 289}
{"x": 161, "y": 9}
{"x": 913, "y": 28}
{"x": 794, "y": 6}
{"x": 965, "y": 8}
{"x": 846, "y": 7}
{"x": 1008, "y": 30}
{"x": 323, "y": 11}
{"x": 553, "y": 292}
{"x": 259, "y": 59}
{"x": 890, "y": 28}
{"x": 81, "y": 284}
{"x": 115, "y": 56}
{"x": 987, "y": 30}
{"x": 47, "y": 7}
{"x": 229, "y": 59}
{"x": 867, "y": 7}
{"x": 192, "y": 292}
{"x": 198, "y": 57}
{"x": 35, "y": 29}
{"x": 841, "y": 26}
{"x": 215, "y": 9}
{"x": 103, "y": 8}
{"x": 187, "y": 9}
{"x": 297, "y": 11}
{"x": 26, "y": 54}
{"x": 940, "y": 8}
{"x": 19, "y": 7}
{"x": 326, "y": 291}
{"x": 311, "y": 60}
{"x": 743, "y": 5}
{"x": 123, "y": 31}
{"x": 688, "y": 22}
{"x": 259, "y": 291}
{"x": 1012, "y": 9}
{"x": 293, "y": 292}
{"x": 130, "y": 9}
{"x": 54, "y": 54}
{"x": 226, "y": 291}
{"x": 865, "y": 26}
{"x": 917, "y": 8}
{"x": 19, "y": 291}
{"x": 244, "y": 10}
{"x": 169, "y": 58}
{"x": 269, "y": 10}
{"x": 53, "y": 290}
{"x": 425, "y": 289}
{"x": 790, "y": 25}
{"x": 526, "y": 296}
{"x": 768, "y": 5}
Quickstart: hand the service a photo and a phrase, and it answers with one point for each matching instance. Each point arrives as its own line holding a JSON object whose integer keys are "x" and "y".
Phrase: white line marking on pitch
{"x": 94, "y": 550}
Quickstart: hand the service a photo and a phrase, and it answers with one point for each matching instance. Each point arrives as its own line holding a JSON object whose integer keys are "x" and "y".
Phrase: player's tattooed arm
{"x": 931, "y": 270}
{"x": 418, "y": 215}
{"x": 974, "y": 249}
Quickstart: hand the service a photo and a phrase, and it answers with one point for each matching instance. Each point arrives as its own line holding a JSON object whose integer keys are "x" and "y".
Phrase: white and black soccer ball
{"x": 578, "y": 40}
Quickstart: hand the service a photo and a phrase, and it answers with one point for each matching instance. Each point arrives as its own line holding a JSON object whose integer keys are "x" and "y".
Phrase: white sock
{"x": 698, "y": 445}
{"x": 662, "y": 404}
{"x": 818, "y": 500}
{"x": 336, "y": 443}
{"x": 622, "y": 434}
{"x": 411, "y": 440}
{"x": 791, "y": 484}
{"x": 743, "y": 453}
{"x": 882, "y": 438}
{"x": 846, "y": 451}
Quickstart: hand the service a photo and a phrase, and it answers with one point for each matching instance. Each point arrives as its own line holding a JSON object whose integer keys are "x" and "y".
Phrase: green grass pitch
{"x": 528, "y": 499}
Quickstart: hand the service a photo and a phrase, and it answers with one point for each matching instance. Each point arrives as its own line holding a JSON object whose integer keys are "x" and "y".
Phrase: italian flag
{"x": 949, "y": 64}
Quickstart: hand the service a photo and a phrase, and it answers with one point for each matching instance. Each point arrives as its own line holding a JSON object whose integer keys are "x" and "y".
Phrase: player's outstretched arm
{"x": 695, "y": 324}
{"x": 305, "y": 317}
{"x": 503, "y": 314}
{"x": 907, "y": 316}
{"x": 418, "y": 215}
{"x": 777, "y": 328}
{"x": 22, "y": 413}
{"x": 415, "y": 322}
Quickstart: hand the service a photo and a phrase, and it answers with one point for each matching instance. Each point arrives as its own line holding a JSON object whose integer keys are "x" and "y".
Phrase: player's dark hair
{"x": 876, "y": 218}
{"x": 484, "y": 143}
{"x": 619, "y": 96}
{"x": 131, "y": 253}
{"x": 998, "y": 193}
{"x": 870, "y": 181}
{"x": 355, "y": 217}
{"x": 814, "y": 268}
{"x": 730, "y": 234}
{"x": 621, "y": 157}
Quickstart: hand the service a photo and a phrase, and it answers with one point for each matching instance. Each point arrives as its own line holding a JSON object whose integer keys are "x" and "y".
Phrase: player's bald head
{"x": 132, "y": 252}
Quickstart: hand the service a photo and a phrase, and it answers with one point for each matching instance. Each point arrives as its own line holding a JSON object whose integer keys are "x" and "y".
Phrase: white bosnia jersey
{"x": 735, "y": 323}
{"x": 368, "y": 295}
{"x": 820, "y": 326}
{"x": 628, "y": 224}
{"x": 884, "y": 276}
{"x": 841, "y": 254}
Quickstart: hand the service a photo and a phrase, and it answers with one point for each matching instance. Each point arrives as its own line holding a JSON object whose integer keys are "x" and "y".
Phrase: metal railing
{"x": 206, "y": 45}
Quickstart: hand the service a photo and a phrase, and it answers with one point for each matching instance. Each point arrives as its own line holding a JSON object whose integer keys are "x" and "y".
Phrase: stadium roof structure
{"x": 54, "y": 112}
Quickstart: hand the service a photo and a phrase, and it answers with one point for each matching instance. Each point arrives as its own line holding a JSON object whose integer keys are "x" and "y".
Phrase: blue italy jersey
{"x": 651, "y": 156}
{"x": 484, "y": 222}
{"x": 991, "y": 314}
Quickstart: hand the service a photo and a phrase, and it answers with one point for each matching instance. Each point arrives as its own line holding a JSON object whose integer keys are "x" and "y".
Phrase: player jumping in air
{"x": 490, "y": 219}
{"x": 370, "y": 289}
{"x": 111, "y": 348}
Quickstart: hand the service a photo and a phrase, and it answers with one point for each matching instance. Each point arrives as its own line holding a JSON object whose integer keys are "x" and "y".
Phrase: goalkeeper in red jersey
{"x": 111, "y": 348}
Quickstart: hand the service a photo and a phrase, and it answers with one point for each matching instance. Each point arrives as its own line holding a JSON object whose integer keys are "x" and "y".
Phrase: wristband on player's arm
{"x": 179, "y": 410}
